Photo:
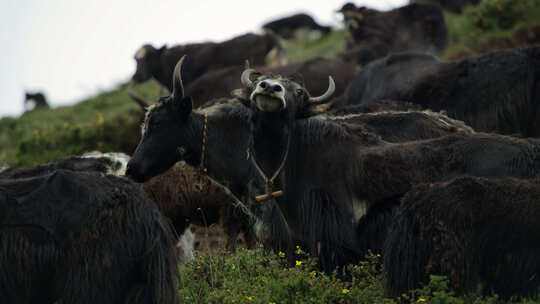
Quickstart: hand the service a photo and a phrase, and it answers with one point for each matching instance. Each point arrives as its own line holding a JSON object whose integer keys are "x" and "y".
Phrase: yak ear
{"x": 242, "y": 96}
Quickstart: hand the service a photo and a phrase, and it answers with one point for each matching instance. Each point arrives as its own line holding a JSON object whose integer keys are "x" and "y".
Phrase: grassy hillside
{"x": 106, "y": 122}
{"x": 491, "y": 25}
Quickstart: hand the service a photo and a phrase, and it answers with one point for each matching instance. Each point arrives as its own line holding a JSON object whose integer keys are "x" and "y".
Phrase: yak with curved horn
{"x": 326, "y": 177}
{"x": 172, "y": 131}
{"x": 208, "y": 139}
{"x": 303, "y": 164}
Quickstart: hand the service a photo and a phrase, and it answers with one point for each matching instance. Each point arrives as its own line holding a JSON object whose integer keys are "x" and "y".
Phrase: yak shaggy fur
{"x": 473, "y": 230}
{"x": 83, "y": 237}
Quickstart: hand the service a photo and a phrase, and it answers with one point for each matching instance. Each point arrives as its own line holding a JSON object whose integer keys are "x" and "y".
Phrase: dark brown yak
{"x": 83, "y": 237}
{"x": 375, "y": 34}
{"x": 159, "y": 63}
{"x": 473, "y": 230}
{"x": 187, "y": 197}
{"x": 222, "y": 82}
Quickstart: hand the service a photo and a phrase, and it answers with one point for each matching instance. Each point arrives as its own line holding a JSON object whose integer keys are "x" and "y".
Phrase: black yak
{"x": 375, "y": 34}
{"x": 477, "y": 231}
{"x": 83, "y": 237}
{"x": 506, "y": 102}
{"x": 172, "y": 131}
{"x": 325, "y": 177}
{"x": 35, "y": 101}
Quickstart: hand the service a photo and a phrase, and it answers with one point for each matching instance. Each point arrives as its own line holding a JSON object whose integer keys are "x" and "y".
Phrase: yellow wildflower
{"x": 298, "y": 250}
{"x": 281, "y": 254}
{"x": 345, "y": 291}
{"x": 298, "y": 263}
{"x": 271, "y": 302}
{"x": 313, "y": 273}
{"x": 66, "y": 124}
{"x": 233, "y": 266}
{"x": 421, "y": 300}
{"x": 249, "y": 298}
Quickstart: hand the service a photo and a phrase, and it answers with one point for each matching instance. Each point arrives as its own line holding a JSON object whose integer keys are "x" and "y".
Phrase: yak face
{"x": 276, "y": 94}
{"x": 148, "y": 59}
{"x": 169, "y": 129}
{"x": 165, "y": 131}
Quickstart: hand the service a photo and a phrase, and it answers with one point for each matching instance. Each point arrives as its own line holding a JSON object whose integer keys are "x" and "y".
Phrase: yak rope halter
{"x": 269, "y": 182}
{"x": 198, "y": 185}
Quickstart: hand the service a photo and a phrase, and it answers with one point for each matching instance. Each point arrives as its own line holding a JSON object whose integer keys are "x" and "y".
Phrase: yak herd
{"x": 384, "y": 148}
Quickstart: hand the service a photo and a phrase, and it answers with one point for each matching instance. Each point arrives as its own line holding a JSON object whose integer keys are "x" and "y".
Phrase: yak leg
{"x": 250, "y": 236}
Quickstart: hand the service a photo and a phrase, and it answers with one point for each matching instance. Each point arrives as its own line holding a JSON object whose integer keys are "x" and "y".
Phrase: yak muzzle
{"x": 269, "y": 96}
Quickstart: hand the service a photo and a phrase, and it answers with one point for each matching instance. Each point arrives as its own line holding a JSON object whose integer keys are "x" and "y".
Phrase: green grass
{"x": 491, "y": 19}
{"x": 106, "y": 122}
{"x": 327, "y": 46}
{"x": 256, "y": 276}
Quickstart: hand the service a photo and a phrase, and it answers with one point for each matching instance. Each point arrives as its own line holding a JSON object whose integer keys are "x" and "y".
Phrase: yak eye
{"x": 299, "y": 92}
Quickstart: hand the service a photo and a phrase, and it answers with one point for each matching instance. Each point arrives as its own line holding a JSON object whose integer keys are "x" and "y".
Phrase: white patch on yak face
{"x": 269, "y": 95}
{"x": 140, "y": 53}
{"x": 149, "y": 110}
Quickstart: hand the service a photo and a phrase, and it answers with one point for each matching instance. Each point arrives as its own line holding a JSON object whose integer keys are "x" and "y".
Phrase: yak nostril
{"x": 262, "y": 84}
{"x": 277, "y": 88}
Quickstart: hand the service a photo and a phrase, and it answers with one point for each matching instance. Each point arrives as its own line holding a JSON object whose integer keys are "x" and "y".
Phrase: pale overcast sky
{"x": 72, "y": 49}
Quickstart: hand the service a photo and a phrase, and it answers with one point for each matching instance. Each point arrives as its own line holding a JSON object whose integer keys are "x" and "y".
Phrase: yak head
{"x": 169, "y": 129}
{"x": 276, "y": 95}
{"x": 148, "y": 61}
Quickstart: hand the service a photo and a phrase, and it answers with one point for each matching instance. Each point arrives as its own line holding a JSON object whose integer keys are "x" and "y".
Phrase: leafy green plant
{"x": 258, "y": 276}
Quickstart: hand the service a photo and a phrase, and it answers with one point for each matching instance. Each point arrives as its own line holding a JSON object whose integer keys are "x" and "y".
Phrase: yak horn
{"x": 139, "y": 100}
{"x": 178, "y": 87}
{"x": 245, "y": 78}
{"x": 326, "y": 96}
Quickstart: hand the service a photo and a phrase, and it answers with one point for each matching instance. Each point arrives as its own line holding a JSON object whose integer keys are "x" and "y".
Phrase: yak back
{"x": 73, "y": 163}
{"x": 504, "y": 102}
{"x": 399, "y": 126}
{"x": 178, "y": 198}
{"x": 470, "y": 229}
{"x": 63, "y": 202}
